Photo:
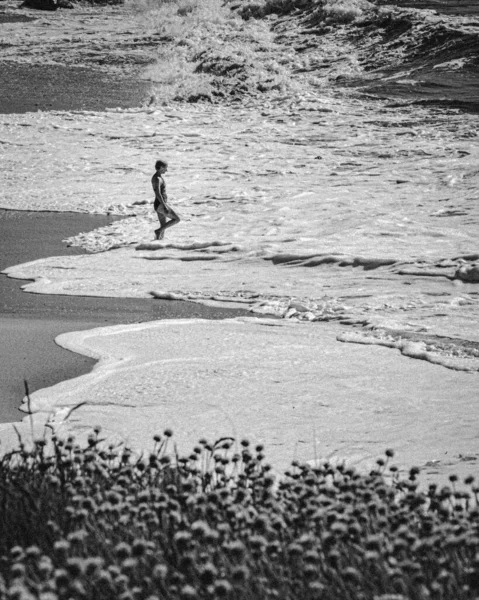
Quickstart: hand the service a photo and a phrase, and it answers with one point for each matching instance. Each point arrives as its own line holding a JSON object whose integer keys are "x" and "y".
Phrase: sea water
{"x": 337, "y": 205}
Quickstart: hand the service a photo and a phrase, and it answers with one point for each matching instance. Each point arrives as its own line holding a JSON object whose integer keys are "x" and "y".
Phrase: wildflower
{"x": 122, "y": 583}
{"x": 80, "y": 515}
{"x": 188, "y": 592}
{"x": 351, "y": 575}
{"x": 333, "y": 557}
{"x": 92, "y": 440}
{"x": 138, "y": 547}
{"x": 413, "y": 472}
{"x": 310, "y": 572}
{"x": 113, "y": 498}
{"x": 295, "y": 549}
{"x": 200, "y": 529}
{"x": 373, "y": 542}
{"x": 223, "y": 529}
{"x": 239, "y": 575}
{"x": 19, "y": 592}
{"x": 224, "y": 493}
{"x": 114, "y": 571}
{"x": 160, "y": 572}
{"x": 32, "y": 552}
{"x": 222, "y": 588}
{"x": 316, "y": 588}
{"x": 371, "y": 556}
{"x": 258, "y": 542}
{"x": 44, "y": 567}
{"x": 129, "y": 565}
{"x": 77, "y": 536}
{"x": 268, "y": 480}
{"x": 307, "y": 541}
{"x": 208, "y": 574}
{"x": 92, "y": 565}
{"x": 354, "y": 529}
{"x": 17, "y": 553}
{"x": 75, "y": 567}
{"x": 123, "y": 550}
{"x": 236, "y": 550}
{"x": 240, "y": 495}
{"x": 182, "y": 539}
{"x": 261, "y": 524}
{"x": 61, "y": 578}
{"x": 17, "y": 570}
{"x": 311, "y": 556}
{"x": 339, "y": 529}
{"x": 212, "y": 537}
{"x": 246, "y": 456}
{"x": 186, "y": 562}
{"x": 61, "y": 547}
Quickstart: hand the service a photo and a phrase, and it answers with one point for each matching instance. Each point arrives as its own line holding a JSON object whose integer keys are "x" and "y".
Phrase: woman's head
{"x": 161, "y": 164}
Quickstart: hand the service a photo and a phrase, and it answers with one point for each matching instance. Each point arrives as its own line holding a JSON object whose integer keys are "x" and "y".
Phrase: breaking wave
{"x": 421, "y": 56}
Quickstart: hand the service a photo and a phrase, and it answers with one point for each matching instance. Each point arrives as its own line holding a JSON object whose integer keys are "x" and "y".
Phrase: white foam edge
{"x": 45, "y": 402}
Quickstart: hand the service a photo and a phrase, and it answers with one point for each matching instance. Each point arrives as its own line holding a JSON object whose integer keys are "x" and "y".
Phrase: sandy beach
{"x": 351, "y": 218}
{"x": 30, "y": 324}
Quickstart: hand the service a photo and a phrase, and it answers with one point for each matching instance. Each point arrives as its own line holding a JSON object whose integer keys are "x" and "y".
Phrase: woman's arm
{"x": 156, "y": 187}
{"x": 160, "y": 191}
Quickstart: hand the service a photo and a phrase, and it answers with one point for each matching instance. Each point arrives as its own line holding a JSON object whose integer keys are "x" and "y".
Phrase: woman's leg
{"x": 159, "y": 233}
{"x": 174, "y": 219}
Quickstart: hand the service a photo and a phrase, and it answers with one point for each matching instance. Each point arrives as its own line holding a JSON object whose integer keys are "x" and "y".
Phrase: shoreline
{"x": 266, "y": 221}
{"x": 29, "y": 320}
{"x": 298, "y": 409}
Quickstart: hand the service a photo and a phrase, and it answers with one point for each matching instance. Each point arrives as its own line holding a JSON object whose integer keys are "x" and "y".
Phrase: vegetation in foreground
{"x": 97, "y": 522}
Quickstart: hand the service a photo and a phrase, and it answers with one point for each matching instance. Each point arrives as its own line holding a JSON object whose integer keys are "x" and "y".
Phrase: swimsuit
{"x": 162, "y": 208}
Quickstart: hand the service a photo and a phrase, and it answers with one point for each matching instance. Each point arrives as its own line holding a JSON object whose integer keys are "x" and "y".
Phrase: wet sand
{"x": 81, "y": 89}
{"x": 29, "y": 323}
{"x": 58, "y": 86}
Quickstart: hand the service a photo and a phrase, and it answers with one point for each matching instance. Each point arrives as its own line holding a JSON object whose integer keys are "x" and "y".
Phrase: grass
{"x": 100, "y": 523}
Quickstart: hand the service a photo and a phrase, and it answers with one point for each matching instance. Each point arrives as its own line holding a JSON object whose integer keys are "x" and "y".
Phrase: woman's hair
{"x": 160, "y": 163}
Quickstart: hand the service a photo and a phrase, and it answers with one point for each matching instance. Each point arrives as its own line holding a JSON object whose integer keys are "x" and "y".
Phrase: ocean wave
{"x": 421, "y": 56}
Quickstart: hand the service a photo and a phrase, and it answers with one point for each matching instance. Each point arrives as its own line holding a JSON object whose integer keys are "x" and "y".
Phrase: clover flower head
{"x": 222, "y": 588}
{"x": 123, "y": 550}
{"x": 208, "y": 574}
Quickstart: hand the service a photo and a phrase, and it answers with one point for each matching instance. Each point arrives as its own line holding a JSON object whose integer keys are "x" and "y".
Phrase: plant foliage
{"x": 99, "y": 522}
